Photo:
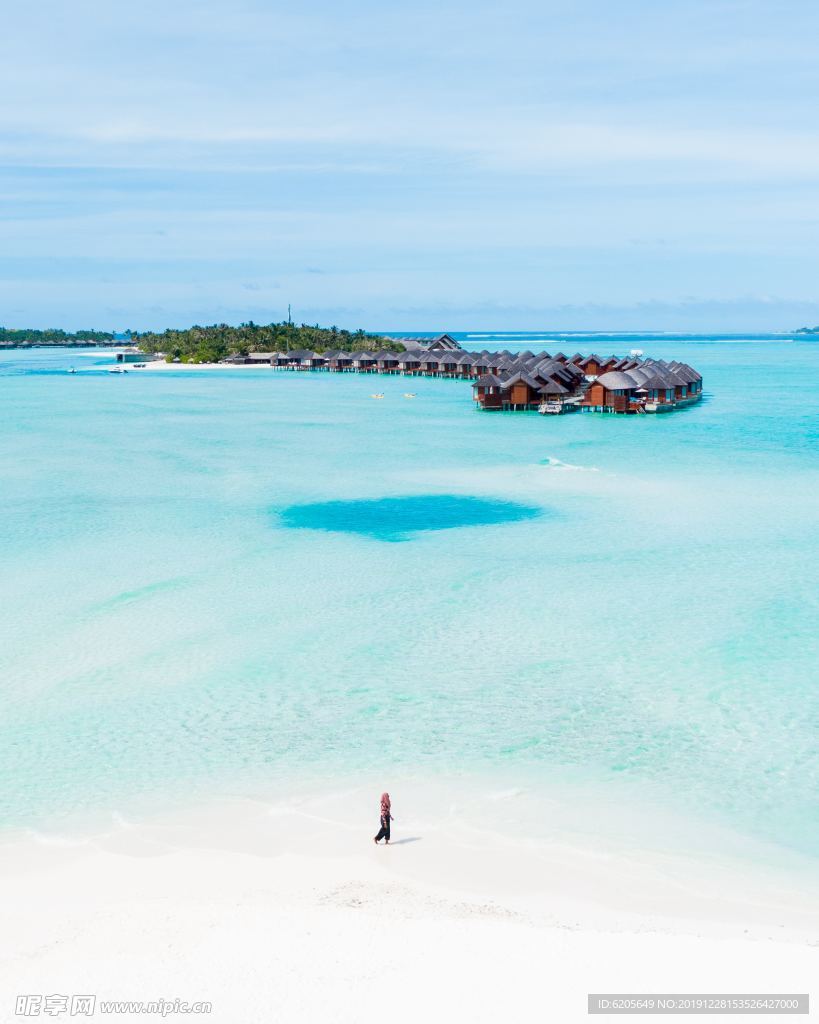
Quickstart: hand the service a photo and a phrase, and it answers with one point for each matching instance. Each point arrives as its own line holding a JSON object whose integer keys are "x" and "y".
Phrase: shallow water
{"x": 198, "y": 596}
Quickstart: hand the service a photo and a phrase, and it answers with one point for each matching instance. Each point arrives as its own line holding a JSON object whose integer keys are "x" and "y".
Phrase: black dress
{"x": 384, "y": 831}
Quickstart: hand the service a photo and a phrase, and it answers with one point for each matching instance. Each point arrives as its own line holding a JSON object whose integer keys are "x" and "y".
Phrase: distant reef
{"x": 218, "y": 341}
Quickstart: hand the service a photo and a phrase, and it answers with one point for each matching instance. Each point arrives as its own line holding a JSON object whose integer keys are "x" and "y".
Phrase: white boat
{"x": 117, "y": 369}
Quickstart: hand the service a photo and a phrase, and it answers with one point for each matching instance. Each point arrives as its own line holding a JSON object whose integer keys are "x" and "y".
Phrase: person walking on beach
{"x": 386, "y": 818}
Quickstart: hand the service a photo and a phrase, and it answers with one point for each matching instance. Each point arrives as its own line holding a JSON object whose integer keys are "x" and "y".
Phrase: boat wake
{"x": 554, "y": 463}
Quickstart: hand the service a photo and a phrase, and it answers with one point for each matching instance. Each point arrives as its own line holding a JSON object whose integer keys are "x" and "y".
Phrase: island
{"x": 217, "y": 342}
{"x": 25, "y": 337}
{"x": 502, "y": 381}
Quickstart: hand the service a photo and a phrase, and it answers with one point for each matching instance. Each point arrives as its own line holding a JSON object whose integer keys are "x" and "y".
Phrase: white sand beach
{"x": 289, "y": 913}
{"x": 160, "y": 364}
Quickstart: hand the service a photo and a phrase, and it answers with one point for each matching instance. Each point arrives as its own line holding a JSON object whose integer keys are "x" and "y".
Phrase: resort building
{"x": 519, "y": 381}
{"x": 440, "y": 343}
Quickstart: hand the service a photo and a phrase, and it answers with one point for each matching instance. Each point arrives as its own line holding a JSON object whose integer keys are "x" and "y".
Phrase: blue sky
{"x": 629, "y": 165}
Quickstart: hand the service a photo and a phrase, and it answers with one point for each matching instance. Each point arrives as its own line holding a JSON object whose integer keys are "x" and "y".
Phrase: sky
{"x": 436, "y": 166}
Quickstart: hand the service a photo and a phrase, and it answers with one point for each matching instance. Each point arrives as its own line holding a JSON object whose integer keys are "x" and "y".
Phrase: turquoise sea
{"x": 237, "y": 581}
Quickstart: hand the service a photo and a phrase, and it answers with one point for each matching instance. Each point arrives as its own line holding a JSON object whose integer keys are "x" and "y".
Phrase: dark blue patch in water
{"x": 396, "y": 519}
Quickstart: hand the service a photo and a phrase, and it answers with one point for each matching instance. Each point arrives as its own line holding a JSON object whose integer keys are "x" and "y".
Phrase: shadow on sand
{"x": 409, "y": 839}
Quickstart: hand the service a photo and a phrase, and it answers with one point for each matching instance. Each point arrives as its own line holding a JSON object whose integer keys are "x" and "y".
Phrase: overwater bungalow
{"x": 448, "y": 364}
{"x": 430, "y": 364}
{"x": 689, "y": 376}
{"x": 524, "y": 380}
{"x": 650, "y": 386}
{"x": 341, "y": 362}
{"x": 658, "y": 390}
{"x": 520, "y": 391}
{"x": 293, "y": 359}
{"x": 387, "y": 362}
{"x": 257, "y": 358}
{"x": 364, "y": 362}
{"x": 612, "y": 390}
{"x": 466, "y": 366}
{"x": 593, "y": 366}
{"x": 409, "y": 363}
{"x": 487, "y": 392}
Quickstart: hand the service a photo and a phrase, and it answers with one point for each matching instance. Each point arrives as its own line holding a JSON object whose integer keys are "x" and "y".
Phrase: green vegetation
{"x": 808, "y": 330}
{"x": 12, "y": 338}
{"x": 210, "y": 344}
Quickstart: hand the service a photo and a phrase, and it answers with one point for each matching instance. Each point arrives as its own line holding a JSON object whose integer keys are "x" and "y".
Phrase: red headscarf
{"x": 385, "y": 803}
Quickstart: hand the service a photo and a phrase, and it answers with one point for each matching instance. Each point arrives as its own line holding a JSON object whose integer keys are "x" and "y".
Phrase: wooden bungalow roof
{"x": 617, "y": 380}
{"x": 488, "y": 380}
{"x": 523, "y": 378}
{"x": 659, "y": 381}
{"x": 546, "y": 365}
{"x": 685, "y": 371}
{"x": 440, "y": 342}
{"x": 593, "y": 358}
{"x": 678, "y": 377}
{"x": 557, "y": 371}
{"x": 553, "y": 387}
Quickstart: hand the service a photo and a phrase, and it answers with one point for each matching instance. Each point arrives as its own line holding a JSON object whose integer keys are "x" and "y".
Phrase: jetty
{"x": 551, "y": 384}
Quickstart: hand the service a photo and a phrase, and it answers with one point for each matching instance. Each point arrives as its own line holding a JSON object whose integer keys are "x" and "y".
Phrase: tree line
{"x": 218, "y": 341}
{"x": 11, "y": 337}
